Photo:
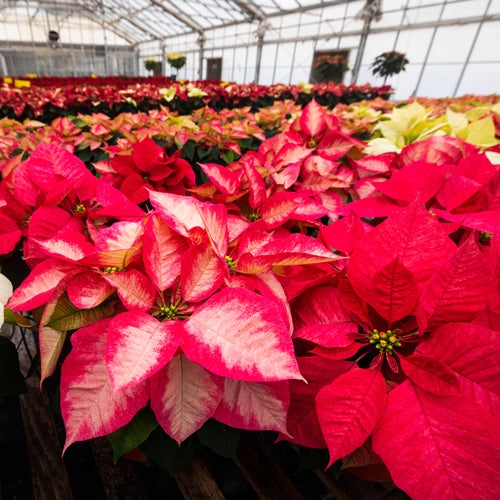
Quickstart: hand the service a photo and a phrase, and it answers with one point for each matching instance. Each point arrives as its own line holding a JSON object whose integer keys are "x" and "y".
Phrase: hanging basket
{"x": 389, "y": 63}
{"x": 53, "y": 36}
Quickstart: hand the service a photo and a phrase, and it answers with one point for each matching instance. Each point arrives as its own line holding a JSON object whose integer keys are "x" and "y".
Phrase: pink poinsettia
{"x": 176, "y": 312}
{"x": 308, "y": 153}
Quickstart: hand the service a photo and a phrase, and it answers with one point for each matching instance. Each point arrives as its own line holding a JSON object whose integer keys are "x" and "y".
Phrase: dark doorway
{"x": 318, "y": 76}
{"x": 214, "y": 68}
{"x": 158, "y": 71}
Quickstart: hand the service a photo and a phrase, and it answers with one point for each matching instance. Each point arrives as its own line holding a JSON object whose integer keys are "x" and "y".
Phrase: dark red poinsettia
{"x": 147, "y": 166}
{"x": 421, "y": 378}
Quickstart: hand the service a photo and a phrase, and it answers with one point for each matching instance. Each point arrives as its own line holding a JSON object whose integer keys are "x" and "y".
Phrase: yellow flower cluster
{"x": 175, "y": 55}
{"x": 176, "y": 59}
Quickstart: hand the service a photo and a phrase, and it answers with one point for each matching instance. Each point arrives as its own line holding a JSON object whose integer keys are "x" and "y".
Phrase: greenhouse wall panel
{"x": 455, "y": 41}
{"x": 439, "y": 80}
{"x": 430, "y": 32}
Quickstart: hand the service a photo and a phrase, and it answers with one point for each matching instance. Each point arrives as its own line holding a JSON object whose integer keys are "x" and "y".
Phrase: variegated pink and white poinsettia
{"x": 174, "y": 319}
{"x": 345, "y": 301}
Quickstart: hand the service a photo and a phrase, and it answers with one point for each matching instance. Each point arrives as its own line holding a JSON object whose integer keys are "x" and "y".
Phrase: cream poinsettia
{"x": 5, "y": 293}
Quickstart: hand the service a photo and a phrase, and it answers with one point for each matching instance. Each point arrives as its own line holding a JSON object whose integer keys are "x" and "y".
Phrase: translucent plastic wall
{"x": 452, "y": 46}
{"x": 25, "y": 47}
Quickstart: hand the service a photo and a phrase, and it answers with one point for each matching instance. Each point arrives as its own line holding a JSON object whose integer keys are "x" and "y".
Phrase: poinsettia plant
{"x": 331, "y": 67}
{"x": 372, "y": 277}
{"x": 150, "y": 63}
{"x": 389, "y": 63}
{"x": 176, "y": 59}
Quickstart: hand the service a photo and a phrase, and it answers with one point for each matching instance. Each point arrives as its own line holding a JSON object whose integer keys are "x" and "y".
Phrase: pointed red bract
{"x": 113, "y": 203}
{"x": 226, "y": 180}
{"x": 284, "y": 206}
{"x": 256, "y": 185}
{"x": 343, "y": 234}
{"x": 241, "y": 335}
{"x": 312, "y": 119}
{"x": 50, "y": 174}
{"x": 459, "y": 291}
{"x": 472, "y": 353}
{"x": 437, "y": 149}
{"x": 437, "y": 447}
{"x": 139, "y": 345}
{"x": 179, "y": 212}
{"x": 184, "y": 396}
{"x": 430, "y": 375}
{"x": 39, "y": 285}
{"x": 417, "y": 180}
{"x": 349, "y": 409}
{"x": 402, "y": 236}
{"x": 88, "y": 290}
{"x": 10, "y": 234}
{"x": 302, "y": 422}
{"x": 296, "y": 249}
{"x": 394, "y": 292}
{"x": 89, "y": 406}
{"x": 215, "y": 222}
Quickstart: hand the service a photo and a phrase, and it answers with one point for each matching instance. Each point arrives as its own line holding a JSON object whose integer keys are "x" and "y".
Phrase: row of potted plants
{"x": 370, "y": 272}
{"x": 176, "y": 59}
{"x": 211, "y": 135}
{"x": 48, "y": 98}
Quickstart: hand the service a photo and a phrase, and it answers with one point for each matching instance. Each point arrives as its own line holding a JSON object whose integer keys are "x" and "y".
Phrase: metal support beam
{"x": 385, "y": 29}
{"x": 251, "y": 10}
{"x": 201, "y": 43}
{"x": 106, "y": 65}
{"x": 261, "y": 31}
{"x": 371, "y": 10}
{"x": 162, "y": 52}
{"x": 178, "y": 15}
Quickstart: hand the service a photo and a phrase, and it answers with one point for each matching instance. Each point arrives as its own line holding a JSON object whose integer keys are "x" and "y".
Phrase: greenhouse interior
{"x": 249, "y": 249}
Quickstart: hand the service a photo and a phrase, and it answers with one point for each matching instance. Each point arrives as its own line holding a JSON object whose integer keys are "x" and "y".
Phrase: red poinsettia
{"x": 147, "y": 166}
{"x": 408, "y": 365}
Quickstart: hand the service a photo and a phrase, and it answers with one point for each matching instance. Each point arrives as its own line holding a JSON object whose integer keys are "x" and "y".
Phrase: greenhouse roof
{"x": 138, "y": 21}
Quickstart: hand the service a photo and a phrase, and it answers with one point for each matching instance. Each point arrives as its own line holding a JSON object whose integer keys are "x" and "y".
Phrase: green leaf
{"x": 166, "y": 453}
{"x": 133, "y": 434}
{"x": 202, "y": 153}
{"x": 14, "y": 318}
{"x": 67, "y": 316}
{"x": 78, "y": 122}
{"x": 228, "y": 156}
{"x": 220, "y": 438}
{"x": 11, "y": 379}
{"x": 188, "y": 150}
